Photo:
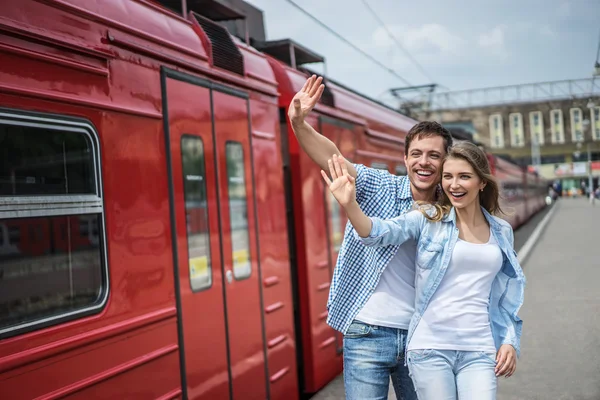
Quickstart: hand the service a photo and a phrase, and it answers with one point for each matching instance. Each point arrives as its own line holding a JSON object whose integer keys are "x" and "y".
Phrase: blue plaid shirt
{"x": 358, "y": 268}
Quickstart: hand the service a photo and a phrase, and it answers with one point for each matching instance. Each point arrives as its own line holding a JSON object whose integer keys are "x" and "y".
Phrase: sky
{"x": 461, "y": 44}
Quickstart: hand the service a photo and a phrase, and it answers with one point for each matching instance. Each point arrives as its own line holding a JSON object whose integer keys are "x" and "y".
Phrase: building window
{"x": 52, "y": 253}
{"x": 595, "y": 125}
{"x": 238, "y": 210}
{"x": 516, "y": 130}
{"x": 576, "y": 125}
{"x": 557, "y": 128}
{"x": 196, "y": 212}
{"x": 496, "y": 131}
{"x": 536, "y": 127}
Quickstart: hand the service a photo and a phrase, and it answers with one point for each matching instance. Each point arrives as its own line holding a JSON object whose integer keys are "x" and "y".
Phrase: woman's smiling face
{"x": 461, "y": 183}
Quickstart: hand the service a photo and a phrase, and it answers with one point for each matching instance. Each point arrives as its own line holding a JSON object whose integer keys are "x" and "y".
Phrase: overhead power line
{"x": 400, "y": 46}
{"x": 349, "y": 43}
{"x": 598, "y": 51}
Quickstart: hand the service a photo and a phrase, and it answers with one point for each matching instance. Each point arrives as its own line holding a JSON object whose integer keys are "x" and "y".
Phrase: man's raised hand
{"x": 304, "y": 101}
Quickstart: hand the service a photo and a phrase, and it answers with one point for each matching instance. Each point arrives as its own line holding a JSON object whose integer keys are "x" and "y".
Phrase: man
{"x": 371, "y": 300}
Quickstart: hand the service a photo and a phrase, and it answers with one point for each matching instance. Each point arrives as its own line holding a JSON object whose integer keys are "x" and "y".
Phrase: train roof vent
{"x": 216, "y": 10}
{"x": 327, "y": 97}
{"x": 225, "y": 54}
{"x": 288, "y": 51}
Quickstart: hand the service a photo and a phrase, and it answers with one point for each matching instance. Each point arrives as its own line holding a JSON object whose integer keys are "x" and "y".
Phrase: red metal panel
{"x": 243, "y": 295}
{"x": 321, "y": 361}
{"x": 138, "y": 257}
{"x": 202, "y": 312}
{"x": 92, "y": 367}
{"x": 274, "y": 251}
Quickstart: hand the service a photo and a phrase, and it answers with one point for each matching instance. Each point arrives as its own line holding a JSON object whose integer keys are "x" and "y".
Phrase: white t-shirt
{"x": 457, "y": 317}
{"x": 392, "y": 304}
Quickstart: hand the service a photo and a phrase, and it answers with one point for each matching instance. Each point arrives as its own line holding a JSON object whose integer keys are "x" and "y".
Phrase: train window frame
{"x": 400, "y": 170}
{"x": 249, "y": 249}
{"x": 20, "y": 207}
{"x": 208, "y": 239}
{"x": 380, "y": 165}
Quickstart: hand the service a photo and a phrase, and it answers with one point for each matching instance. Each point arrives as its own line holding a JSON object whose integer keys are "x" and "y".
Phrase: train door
{"x": 239, "y": 246}
{"x": 213, "y": 225}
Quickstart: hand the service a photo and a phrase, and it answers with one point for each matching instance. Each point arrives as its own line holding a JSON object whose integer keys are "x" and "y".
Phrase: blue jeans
{"x": 371, "y": 355}
{"x": 451, "y": 375}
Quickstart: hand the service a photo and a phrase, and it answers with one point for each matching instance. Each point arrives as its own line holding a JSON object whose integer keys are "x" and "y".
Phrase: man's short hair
{"x": 427, "y": 129}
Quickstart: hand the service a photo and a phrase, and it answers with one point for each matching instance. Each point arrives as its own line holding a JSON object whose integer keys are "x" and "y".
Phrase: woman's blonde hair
{"x": 488, "y": 198}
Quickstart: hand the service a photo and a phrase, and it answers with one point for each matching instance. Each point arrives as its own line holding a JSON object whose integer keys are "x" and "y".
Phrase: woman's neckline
{"x": 478, "y": 244}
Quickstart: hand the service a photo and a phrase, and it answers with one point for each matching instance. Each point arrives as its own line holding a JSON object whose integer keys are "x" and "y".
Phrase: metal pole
{"x": 590, "y": 180}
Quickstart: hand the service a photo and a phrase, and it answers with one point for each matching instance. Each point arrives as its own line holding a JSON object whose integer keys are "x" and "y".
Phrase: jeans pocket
{"x": 415, "y": 356}
{"x": 488, "y": 355}
{"x": 358, "y": 330}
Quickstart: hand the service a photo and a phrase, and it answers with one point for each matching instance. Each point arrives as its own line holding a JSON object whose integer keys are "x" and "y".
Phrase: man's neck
{"x": 423, "y": 195}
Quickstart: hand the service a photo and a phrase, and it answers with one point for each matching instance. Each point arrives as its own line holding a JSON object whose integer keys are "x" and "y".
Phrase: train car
{"x": 162, "y": 235}
{"x": 522, "y": 193}
{"x": 144, "y": 209}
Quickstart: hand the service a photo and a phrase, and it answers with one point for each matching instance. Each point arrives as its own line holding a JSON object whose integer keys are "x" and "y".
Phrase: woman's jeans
{"x": 452, "y": 375}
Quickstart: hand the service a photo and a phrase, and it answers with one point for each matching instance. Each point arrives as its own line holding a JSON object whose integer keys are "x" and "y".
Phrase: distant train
{"x": 162, "y": 235}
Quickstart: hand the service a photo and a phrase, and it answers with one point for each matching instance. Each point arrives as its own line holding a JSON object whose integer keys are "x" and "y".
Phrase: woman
{"x": 469, "y": 285}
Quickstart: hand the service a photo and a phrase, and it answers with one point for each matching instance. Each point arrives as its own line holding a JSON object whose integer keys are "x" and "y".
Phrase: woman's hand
{"x": 343, "y": 186}
{"x": 506, "y": 361}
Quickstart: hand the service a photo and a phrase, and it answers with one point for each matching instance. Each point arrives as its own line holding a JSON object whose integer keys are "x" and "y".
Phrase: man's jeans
{"x": 371, "y": 355}
{"x": 451, "y": 375}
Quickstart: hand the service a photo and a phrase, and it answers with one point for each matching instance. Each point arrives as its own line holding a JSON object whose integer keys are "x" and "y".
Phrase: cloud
{"x": 545, "y": 30}
{"x": 492, "y": 39}
{"x": 493, "y": 42}
{"x": 427, "y": 38}
{"x": 564, "y": 10}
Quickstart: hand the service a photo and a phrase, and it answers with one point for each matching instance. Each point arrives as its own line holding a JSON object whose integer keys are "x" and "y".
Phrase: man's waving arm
{"x": 318, "y": 147}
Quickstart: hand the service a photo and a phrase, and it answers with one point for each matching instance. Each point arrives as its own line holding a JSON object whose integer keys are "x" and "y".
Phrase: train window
{"x": 41, "y": 161}
{"x": 52, "y": 258}
{"x": 336, "y": 228}
{"x": 238, "y": 210}
{"x": 379, "y": 165}
{"x": 42, "y": 279}
{"x": 400, "y": 170}
{"x": 196, "y": 212}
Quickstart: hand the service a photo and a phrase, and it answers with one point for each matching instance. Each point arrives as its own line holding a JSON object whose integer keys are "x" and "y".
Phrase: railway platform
{"x": 560, "y": 252}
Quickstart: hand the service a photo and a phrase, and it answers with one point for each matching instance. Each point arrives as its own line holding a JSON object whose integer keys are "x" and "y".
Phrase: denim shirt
{"x": 435, "y": 245}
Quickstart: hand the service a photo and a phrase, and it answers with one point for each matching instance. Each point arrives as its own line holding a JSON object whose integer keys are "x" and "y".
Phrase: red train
{"x": 161, "y": 233}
